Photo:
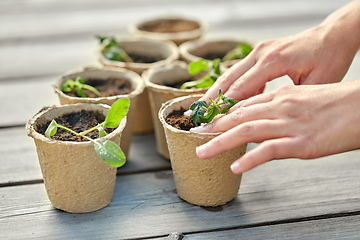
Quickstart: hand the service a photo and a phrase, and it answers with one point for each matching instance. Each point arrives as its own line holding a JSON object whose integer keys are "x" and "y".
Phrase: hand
{"x": 292, "y": 122}
{"x": 320, "y": 55}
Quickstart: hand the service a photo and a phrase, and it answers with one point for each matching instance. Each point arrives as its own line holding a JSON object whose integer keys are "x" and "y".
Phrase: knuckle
{"x": 237, "y": 115}
{"x": 247, "y": 129}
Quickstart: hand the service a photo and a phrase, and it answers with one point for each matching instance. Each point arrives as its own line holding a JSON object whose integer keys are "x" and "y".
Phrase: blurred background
{"x": 41, "y": 39}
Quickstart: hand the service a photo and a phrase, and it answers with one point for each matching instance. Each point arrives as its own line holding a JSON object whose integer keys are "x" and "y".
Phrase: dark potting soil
{"x": 212, "y": 56}
{"x": 169, "y": 26}
{"x": 179, "y": 121}
{"x": 107, "y": 88}
{"x": 78, "y": 122}
{"x": 139, "y": 58}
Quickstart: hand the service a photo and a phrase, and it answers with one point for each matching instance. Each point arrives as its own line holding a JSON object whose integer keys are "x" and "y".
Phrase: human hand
{"x": 292, "y": 122}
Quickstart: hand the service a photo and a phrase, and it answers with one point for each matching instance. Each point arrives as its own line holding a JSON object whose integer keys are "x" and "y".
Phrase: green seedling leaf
{"x": 197, "y": 113}
{"x": 204, "y": 82}
{"x": 79, "y": 85}
{"x": 51, "y": 129}
{"x": 216, "y": 66}
{"x": 102, "y": 132}
{"x": 198, "y": 66}
{"x": 112, "y": 50}
{"x": 211, "y": 112}
{"x": 101, "y": 38}
{"x": 110, "y": 153}
{"x": 117, "y": 112}
{"x": 202, "y": 113}
{"x": 208, "y": 79}
{"x": 240, "y": 52}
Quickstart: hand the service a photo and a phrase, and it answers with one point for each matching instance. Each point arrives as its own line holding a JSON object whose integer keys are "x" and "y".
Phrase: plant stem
{"x": 75, "y": 133}
{"x": 92, "y": 129}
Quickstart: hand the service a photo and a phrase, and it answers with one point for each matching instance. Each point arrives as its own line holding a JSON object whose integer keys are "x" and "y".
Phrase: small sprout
{"x": 112, "y": 50}
{"x": 108, "y": 151}
{"x": 79, "y": 85}
{"x": 208, "y": 79}
{"x": 202, "y": 113}
{"x": 240, "y": 52}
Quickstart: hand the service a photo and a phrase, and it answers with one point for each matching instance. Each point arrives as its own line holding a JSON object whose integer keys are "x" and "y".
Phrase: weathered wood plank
{"x": 333, "y": 228}
{"x": 38, "y": 19}
{"x": 19, "y": 162}
{"x": 145, "y": 205}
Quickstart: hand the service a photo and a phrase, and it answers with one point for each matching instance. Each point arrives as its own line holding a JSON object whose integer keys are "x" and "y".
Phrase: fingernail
{"x": 200, "y": 151}
{"x": 196, "y": 129}
{"x": 235, "y": 167}
{"x": 187, "y": 113}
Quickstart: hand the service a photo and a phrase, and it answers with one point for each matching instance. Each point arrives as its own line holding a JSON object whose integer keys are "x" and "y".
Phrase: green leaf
{"x": 240, "y": 52}
{"x": 216, "y": 66}
{"x": 101, "y": 38}
{"x": 80, "y": 92}
{"x": 212, "y": 111}
{"x": 204, "y": 82}
{"x": 198, "y": 66}
{"x": 110, "y": 153}
{"x": 102, "y": 132}
{"x": 79, "y": 80}
{"x": 117, "y": 112}
{"x": 91, "y": 88}
{"x": 51, "y": 129}
{"x": 68, "y": 85}
{"x": 197, "y": 113}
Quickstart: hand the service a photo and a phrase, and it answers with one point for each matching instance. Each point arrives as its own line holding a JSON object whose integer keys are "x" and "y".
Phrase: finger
{"x": 227, "y": 78}
{"x": 273, "y": 149}
{"x": 255, "y": 131}
{"x": 254, "y": 79}
{"x": 234, "y": 118}
{"x": 258, "y": 99}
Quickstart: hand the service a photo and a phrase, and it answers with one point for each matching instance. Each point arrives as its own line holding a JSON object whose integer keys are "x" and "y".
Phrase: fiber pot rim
{"x": 162, "y": 115}
{"x": 162, "y": 88}
{"x": 176, "y": 37}
{"x": 186, "y": 47}
{"x": 173, "y": 49}
{"x": 31, "y": 132}
{"x": 130, "y": 75}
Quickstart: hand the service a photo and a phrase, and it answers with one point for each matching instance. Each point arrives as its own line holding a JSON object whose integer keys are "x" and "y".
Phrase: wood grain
{"x": 146, "y": 205}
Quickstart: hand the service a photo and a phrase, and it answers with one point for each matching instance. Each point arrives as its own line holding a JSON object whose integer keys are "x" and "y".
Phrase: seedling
{"x": 240, "y": 52}
{"x": 202, "y": 113}
{"x": 213, "y": 73}
{"x": 108, "y": 151}
{"x": 79, "y": 84}
{"x": 112, "y": 50}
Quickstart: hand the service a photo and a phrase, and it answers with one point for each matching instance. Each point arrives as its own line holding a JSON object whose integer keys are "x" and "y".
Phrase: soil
{"x": 107, "y": 88}
{"x": 169, "y": 26}
{"x": 179, "y": 121}
{"x": 78, "y": 122}
{"x": 212, "y": 56}
{"x": 139, "y": 58}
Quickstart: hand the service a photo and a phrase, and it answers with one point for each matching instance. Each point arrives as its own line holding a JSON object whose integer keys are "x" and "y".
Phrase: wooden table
{"x": 287, "y": 199}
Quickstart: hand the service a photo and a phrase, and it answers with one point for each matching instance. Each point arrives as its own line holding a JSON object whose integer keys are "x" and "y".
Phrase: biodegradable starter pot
{"x": 203, "y": 182}
{"x": 175, "y": 28}
{"x": 76, "y": 179}
{"x": 156, "y": 80}
{"x": 166, "y": 50}
{"x": 103, "y": 74}
{"x": 199, "y": 49}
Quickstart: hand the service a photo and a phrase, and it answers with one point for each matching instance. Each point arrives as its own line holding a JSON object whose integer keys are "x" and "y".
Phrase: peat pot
{"x": 164, "y": 51}
{"x": 203, "y": 182}
{"x": 211, "y": 49}
{"x": 156, "y": 80}
{"x": 103, "y": 74}
{"x": 76, "y": 179}
{"x": 175, "y": 28}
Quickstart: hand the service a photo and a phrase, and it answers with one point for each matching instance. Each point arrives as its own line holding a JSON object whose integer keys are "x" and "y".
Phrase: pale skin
{"x": 306, "y": 121}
